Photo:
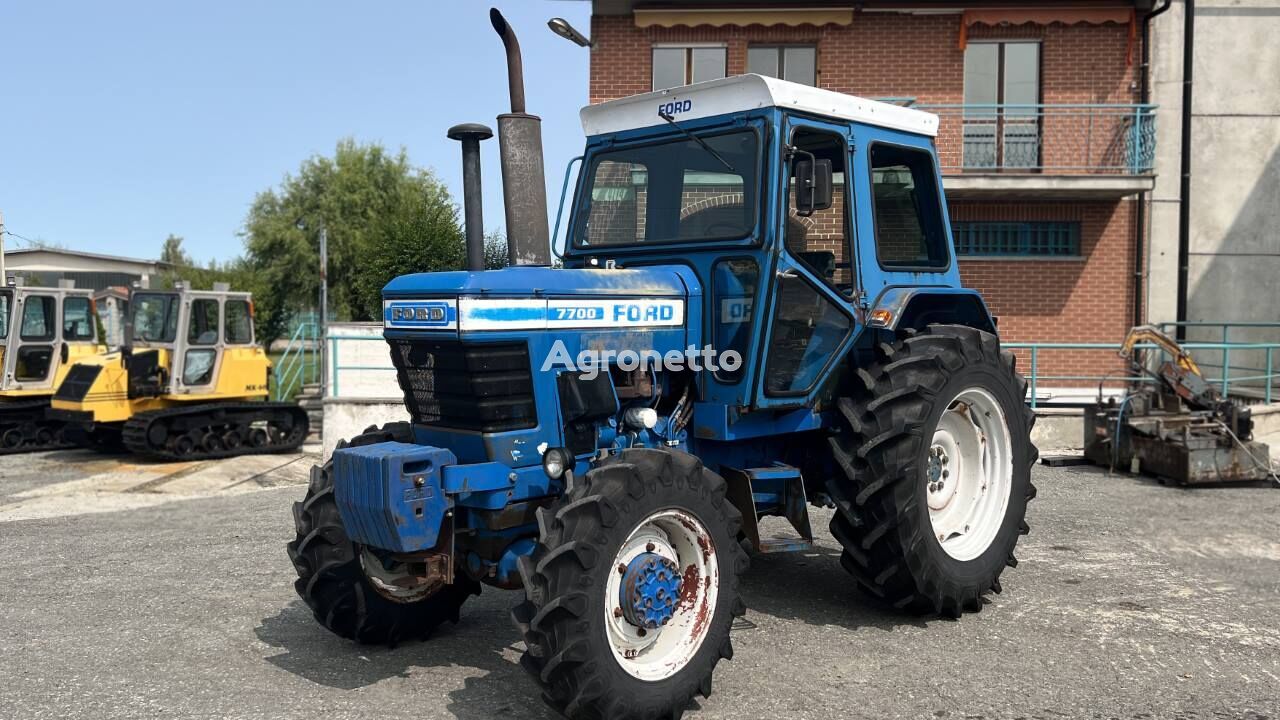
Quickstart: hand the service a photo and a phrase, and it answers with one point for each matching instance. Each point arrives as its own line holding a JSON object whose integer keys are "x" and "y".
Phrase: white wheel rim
{"x": 660, "y": 653}
{"x": 969, "y": 474}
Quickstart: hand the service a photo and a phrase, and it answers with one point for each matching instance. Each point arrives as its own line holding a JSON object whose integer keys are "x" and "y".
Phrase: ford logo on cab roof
{"x": 675, "y": 107}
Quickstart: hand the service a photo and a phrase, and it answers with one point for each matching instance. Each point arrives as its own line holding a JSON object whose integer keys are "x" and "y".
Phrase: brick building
{"x": 1045, "y": 143}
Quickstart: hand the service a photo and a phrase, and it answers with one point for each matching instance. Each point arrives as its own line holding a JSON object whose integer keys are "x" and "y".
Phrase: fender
{"x": 915, "y": 307}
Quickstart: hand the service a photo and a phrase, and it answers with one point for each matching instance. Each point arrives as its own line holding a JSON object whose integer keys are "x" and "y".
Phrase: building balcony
{"x": 1073, "y": 151}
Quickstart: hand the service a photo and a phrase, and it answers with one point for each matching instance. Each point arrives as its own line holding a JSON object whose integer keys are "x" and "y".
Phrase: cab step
{"x": 774, "y": 490}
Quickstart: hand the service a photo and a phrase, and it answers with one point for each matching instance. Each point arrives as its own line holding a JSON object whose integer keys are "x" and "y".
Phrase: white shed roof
{"x": 749, "y": 92}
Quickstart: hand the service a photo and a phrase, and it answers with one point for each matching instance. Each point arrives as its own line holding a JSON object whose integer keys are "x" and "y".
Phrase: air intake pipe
{"x": 524, "y": 187}
{"x": 470, "y": 135}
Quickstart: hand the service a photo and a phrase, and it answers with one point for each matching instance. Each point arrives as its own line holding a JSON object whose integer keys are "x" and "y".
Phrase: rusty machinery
{"x": 1179, "y": 428}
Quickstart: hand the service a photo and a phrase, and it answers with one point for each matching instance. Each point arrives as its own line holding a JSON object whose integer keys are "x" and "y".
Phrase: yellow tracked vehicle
{"x": 188, "y": 384}
{"x": 43, "y": 331}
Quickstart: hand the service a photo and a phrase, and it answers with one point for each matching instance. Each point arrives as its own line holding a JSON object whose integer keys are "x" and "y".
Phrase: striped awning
{"x": 1046, "y": 16}
{"x": 740, "y": 18}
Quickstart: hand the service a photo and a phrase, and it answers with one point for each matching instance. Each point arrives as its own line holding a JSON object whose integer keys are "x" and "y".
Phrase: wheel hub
{"x": 650, "y": 589}
{"x": 940, "y": 483}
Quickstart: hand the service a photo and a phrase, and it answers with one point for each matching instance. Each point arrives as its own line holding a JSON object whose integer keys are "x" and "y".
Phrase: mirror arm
{"x": 793, "y": 151}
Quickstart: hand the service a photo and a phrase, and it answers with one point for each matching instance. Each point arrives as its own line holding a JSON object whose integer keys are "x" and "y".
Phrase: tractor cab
{"x": 179, "y": 342}
{"x": 805, "y": 215}
{"x": 43, "y": 332}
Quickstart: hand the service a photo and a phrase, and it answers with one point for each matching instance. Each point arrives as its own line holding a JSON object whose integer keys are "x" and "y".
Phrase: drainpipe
{"x": 1184, "y": 194}
{"x": 1140, "y": 229}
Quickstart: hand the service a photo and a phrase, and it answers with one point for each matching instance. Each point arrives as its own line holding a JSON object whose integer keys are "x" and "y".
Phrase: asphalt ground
{"x": 133, "y": 590}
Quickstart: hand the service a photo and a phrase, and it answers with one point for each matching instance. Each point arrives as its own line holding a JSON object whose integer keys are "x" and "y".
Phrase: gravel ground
{"x": 1132, "y": 600}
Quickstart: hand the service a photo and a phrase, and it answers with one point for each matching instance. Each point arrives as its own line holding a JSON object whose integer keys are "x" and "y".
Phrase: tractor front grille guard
{"x": 484, "y": 387}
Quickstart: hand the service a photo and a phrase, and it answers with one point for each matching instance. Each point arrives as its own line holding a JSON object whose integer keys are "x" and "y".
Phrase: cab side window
{"x": 907, "y": 209}
{"x": 239, "y": 330}
{"x": 38, "y": 318}
{"x": 203, "y": 328}
{"x": 77, "y": 319}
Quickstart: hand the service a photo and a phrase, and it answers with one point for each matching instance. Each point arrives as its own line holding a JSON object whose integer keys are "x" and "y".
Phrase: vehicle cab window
{"x": 38, "y": 318}
{"x": 677, "y": 190}
{"x": 239, "y": 330}
{"x": 154, "y": 318}
{"x": 907, "y": 210}
{"x": 77, "y": 319}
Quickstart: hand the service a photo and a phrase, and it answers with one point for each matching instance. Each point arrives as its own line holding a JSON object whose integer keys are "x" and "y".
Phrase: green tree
{"x": 177, "y": 264}
{"x": 495, "y": 250}
{"x": 383, "y": 217}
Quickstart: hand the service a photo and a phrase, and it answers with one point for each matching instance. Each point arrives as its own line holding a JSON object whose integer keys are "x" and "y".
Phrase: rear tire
{"x": 331, "y": 575}
{"x": 588, "y": 660}
{"x": 937, "y": 463}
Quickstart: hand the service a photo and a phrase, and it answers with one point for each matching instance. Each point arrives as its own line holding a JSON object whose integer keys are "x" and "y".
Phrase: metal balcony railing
{"x": 1073, "y": 139}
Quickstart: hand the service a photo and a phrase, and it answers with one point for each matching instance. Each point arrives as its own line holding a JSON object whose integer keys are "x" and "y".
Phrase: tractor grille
{"x": 75, "y": 386}
{"x": 482, "y": 387}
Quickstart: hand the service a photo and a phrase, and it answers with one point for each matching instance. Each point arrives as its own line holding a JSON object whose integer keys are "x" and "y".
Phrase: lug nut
{"x": 622, "y": 569}
{"x": 617, "y": 612}
{"x": 641, "y": 632}
{"x": 649, "y": 547}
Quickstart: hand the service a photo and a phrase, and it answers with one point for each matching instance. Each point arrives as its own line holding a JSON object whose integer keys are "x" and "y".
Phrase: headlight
{"x": 555, "y": 461}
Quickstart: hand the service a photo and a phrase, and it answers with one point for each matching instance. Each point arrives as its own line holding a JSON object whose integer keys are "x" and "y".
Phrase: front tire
{"x": 345, "y": 586}
{"x": 936, "y": 459}
{"x": 610, "y": 631}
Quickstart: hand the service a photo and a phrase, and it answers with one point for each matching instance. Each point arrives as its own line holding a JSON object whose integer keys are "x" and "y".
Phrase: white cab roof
{"x": 749, "y": 92}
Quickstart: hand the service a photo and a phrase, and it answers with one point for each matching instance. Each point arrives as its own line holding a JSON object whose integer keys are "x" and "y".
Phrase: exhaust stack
{"x": 524, "y": 187}
{"x": 470, "y": 135}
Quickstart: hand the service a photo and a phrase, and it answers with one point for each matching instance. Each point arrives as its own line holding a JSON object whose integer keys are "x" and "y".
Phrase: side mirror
{"x": 813, "y": 186}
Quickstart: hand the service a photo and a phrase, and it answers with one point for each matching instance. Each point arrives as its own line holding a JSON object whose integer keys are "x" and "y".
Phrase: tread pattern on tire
{"x": 562, "y": 655}
{"x": 332, "y": 582}
{"x": 875, "y": 520}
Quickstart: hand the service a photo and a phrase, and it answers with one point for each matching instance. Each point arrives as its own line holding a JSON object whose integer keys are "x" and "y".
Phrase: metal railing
{"x": 1061, "y": 138}
{"x": 336, "y": 366}
{"x": 1265, "y": 377}
{"x": 298, "y": 363}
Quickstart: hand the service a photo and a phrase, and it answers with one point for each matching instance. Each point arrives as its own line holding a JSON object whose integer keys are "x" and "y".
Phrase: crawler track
{"x": 24, "y": 428}
{"x": 216, "y": 430}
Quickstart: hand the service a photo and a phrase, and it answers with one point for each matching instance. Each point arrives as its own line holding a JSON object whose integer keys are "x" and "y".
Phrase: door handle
{"x": 788, "y": 274}
{"x": 63, "y": 353}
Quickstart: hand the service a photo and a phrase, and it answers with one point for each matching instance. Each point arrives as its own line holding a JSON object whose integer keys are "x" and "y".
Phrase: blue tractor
{"x": 758, "y": 310}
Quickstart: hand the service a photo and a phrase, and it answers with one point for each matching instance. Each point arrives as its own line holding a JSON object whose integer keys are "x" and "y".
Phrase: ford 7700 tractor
{"x": 585, "y": 436}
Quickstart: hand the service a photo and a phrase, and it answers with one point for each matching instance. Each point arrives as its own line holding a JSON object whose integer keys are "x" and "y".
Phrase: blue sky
{"x": 123, "y": 122}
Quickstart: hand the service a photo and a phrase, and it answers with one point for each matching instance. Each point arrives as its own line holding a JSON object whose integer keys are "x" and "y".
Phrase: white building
{"x": 46, "y": 266}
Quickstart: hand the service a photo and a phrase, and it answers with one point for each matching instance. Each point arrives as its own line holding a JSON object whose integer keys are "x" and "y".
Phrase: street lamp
{"x": 561, "y": 27}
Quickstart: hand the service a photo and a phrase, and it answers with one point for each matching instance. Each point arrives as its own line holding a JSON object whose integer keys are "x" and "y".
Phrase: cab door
{"x": 32, "y": 364}
{"x": 79, "y": 333}
{"x": 200, "y": 344}
{"x": 811, "y": 320}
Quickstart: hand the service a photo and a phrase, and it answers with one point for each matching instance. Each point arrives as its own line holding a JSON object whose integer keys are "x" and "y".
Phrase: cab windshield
{"x": 673, "y": 191}
{"x": 6, "y": 309}
{"x": 153, "y": 317}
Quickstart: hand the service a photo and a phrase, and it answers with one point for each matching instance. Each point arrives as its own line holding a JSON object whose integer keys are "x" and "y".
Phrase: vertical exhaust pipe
{"x": 524, "y": 187}
{"x": 470, "y": 135}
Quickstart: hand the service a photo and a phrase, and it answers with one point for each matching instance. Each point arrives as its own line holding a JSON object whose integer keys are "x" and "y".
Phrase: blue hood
{"x": 659, "y": 281}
